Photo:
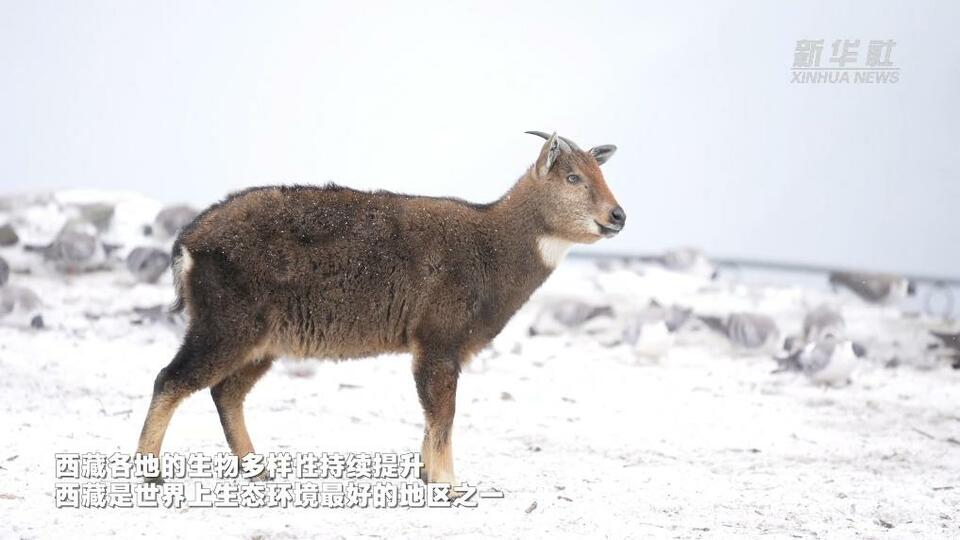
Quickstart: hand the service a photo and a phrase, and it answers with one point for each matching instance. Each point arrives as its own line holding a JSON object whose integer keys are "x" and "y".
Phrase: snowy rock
{"x": 171, "y": 219}
{"x": 4, "y": 272}
{"x": 147, "y": 264}
{"x": 99, "y": 214}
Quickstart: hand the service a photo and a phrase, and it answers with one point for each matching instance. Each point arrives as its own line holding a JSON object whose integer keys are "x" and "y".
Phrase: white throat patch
{"x": 553, "y": 249}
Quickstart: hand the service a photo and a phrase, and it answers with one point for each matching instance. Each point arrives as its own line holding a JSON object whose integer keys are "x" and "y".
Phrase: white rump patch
{"x": 553, "y": 249}
{"x": 186, "y": 261}
{"x": 181, "y": 268}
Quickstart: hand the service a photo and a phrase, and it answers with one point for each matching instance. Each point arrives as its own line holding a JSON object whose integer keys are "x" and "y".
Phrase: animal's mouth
{"x": 608, "y": 231}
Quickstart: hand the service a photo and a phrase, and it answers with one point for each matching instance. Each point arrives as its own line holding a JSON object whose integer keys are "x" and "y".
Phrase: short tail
{"x": 176, "y": 257}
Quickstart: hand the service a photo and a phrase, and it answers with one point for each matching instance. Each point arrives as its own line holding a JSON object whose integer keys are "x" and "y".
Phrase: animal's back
{"x": 331, "y": 271}
{"x": 313, "y": 266}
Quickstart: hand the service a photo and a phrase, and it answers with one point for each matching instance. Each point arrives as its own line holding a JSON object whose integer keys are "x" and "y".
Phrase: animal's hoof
{"x": 451, "y": 490}
{"x": 454, "y": 493}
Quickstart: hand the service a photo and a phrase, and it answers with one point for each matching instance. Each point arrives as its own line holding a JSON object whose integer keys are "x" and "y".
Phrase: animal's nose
{"x": 618, "y": 216}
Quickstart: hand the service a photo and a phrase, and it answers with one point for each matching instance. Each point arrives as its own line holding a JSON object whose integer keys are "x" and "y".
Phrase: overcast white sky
{"x": 189, "y": 100}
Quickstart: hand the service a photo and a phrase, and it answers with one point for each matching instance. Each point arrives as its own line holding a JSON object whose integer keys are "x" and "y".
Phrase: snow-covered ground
{"x": 583, "y": 439}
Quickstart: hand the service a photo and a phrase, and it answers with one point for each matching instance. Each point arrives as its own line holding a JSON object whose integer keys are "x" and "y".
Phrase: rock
{"x": 100, "y": 215}
{"x": 8, "y": 236}
{"x": 147, "y": 264}
{"x": 173, "y": 218}
{"x": 4, "y": 272}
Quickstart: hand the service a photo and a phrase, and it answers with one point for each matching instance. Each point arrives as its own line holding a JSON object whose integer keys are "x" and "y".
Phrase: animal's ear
{"x": 603, "y": 152}
{"x": 548, "y": 155}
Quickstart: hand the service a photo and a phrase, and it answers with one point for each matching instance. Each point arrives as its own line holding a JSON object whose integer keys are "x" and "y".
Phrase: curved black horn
{"x": 545, "y": 136}
{"x": 571, "y": 143}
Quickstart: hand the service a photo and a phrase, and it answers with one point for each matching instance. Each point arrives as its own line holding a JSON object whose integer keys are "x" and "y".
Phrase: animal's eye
{"x": 573, "y": 179}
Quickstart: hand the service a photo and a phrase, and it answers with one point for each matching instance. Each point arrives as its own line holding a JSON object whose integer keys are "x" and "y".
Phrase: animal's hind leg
{"x": 228, "y": 396}
{"x": 200, "y": 362}
{"x": 436, "y": 377}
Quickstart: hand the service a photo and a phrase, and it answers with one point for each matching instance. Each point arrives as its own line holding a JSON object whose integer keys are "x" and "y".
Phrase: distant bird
{"x": 874, "y": 288}
{"x": 952, "y": 342}
{"x": 4, "y": 272}
{"x": 20, "y": 306}
{"x": 173, "y": 218}
{"x": 747, "y": 330}
{"x": 8, "y": 235}
{"x": 829, "y": 361}
{"x": 147, "y": 264}
{"x": 688, "y": 261}
{"x": 652, "y": 330}
{"x": 76, "y": 248}
{"x": 823, "y": 322}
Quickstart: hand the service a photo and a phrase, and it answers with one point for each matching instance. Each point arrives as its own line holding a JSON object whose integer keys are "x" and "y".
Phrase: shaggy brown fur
{"x": 336, "y": 273}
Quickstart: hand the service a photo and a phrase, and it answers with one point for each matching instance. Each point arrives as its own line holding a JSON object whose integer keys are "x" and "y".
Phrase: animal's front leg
{"x": 436, "y": 374}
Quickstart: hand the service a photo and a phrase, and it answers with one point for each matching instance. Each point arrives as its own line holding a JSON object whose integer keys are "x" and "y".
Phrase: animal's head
{"x": 574, "y": 198}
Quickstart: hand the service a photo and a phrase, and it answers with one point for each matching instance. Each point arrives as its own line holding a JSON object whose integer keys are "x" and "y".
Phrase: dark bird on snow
{"x": 952, "y": 342}
{"x": 4, "y": 272}
{"x": 874, "y": 288}
{"x": 746, "y": 330}
{"x": 829, "y": 361}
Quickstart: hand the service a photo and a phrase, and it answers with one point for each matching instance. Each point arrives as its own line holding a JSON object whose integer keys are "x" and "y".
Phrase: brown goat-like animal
{"x": 337, "y": 273}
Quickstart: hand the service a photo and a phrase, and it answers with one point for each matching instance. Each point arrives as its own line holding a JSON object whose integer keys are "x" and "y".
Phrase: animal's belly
{"x": 342, "y": 330}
